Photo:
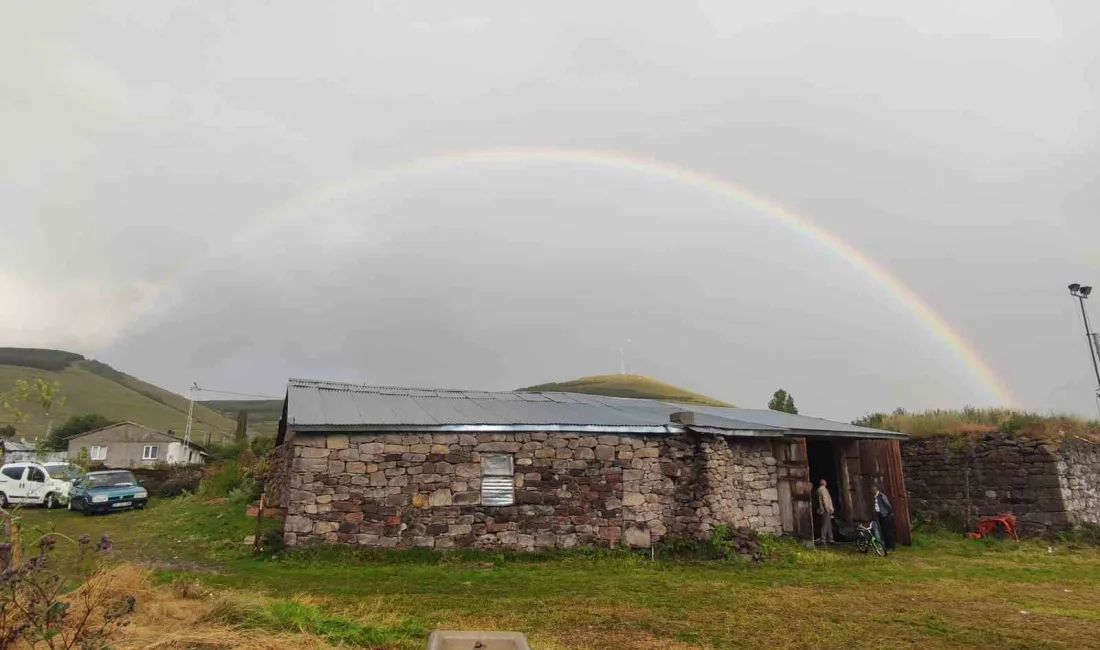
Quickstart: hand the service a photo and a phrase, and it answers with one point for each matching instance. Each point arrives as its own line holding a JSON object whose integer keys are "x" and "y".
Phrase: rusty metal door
{"x": 795, "y": 499}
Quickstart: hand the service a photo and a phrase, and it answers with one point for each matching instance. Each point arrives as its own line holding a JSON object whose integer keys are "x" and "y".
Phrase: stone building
{"x": 1049, "y": 485}
{"x": 405, "y": 467}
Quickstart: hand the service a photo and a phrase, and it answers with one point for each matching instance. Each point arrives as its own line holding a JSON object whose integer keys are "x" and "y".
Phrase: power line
{"x": 227, "y": 392}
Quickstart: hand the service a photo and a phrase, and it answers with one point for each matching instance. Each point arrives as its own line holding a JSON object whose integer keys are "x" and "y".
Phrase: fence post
{"x": 258, "y": 538}
{"x": 16, "y": 544}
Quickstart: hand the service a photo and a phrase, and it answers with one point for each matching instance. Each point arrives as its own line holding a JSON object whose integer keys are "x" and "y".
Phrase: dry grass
{"x": 168, "y": 620}
{"x": 187, "y": 615}
{"x": 970, "y": 420}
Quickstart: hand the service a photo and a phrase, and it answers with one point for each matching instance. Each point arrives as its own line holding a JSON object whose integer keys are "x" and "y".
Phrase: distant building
{"x": 22, "y": 451}
{"x": 406, "y": 467}
{"x": 128, "y": 445}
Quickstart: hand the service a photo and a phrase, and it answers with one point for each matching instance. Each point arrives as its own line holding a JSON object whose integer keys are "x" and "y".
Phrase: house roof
{"x": 18, "y": 445}
{"x": 336, "y": 406}
{"x": 140, "y": 426}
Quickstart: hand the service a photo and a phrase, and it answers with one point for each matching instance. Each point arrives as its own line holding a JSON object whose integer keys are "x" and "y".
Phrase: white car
{"x": 45, "y": 484}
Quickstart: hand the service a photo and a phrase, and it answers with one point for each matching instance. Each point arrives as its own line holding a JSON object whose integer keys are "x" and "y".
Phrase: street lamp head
{"x": 1085, "y": 291}
{"x": 1074, "y": 288}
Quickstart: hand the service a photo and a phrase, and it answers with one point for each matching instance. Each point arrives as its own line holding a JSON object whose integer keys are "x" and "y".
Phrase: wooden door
{"x": 878, "y": 462}
{"x": 795, "y": 491}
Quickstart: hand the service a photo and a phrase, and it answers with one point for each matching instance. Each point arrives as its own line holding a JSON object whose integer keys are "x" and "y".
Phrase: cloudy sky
{"x": 234, "y": 193}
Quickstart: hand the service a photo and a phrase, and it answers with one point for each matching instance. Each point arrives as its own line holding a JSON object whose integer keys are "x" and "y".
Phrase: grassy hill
{"x": 638, "y": 386}
{"x": 263, "y": 414}
{"x": 90, "y": 386}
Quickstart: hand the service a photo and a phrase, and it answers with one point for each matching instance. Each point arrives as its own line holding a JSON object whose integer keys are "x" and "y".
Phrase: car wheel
{"x": 4, "y": 503}
{"x": 50, "y": 502}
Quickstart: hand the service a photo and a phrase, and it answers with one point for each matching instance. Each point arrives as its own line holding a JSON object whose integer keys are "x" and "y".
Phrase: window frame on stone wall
{"x": 498, "y": 474}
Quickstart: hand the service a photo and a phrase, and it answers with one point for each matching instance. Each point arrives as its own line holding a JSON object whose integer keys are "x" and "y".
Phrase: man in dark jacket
{"x": 884, "y": 517}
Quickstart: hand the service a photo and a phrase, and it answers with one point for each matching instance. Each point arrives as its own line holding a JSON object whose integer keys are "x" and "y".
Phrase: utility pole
{"x": 1093, "y": 340}
{"x": 190, "y": 414}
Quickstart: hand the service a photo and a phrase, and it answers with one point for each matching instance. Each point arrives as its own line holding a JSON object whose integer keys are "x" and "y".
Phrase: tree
{"x": 782, "y": 401}
{"x": 240, "y": 436}
{"x": 58, "y": 440}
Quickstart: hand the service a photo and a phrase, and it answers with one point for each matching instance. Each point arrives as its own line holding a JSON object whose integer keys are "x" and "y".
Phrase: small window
{"x": 150, "y": 452}
{"x": 14, "y": 473}
{"x": 36, "y": 475}
{"x": 498, "y": 484}
{"x": 98, "y": 453}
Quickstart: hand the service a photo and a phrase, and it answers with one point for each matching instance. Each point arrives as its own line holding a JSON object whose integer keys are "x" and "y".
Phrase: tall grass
{"x": 970, "y": 420}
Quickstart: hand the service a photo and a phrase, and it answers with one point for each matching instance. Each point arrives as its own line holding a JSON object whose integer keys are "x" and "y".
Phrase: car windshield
{"x": 108, "y": 479}
{"x": 64, "y": 472}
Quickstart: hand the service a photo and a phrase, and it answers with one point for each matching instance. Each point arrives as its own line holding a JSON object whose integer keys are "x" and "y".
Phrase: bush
{"x": 170, "y": 480}
{"x": 225, "y": 451}
{"x": 229, "y": 479}
{"x": 262, "y": 445}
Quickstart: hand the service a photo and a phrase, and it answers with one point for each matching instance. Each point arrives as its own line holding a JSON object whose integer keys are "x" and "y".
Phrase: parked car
{"x": 47, "y": 484}
{"x": 115, "y": 489}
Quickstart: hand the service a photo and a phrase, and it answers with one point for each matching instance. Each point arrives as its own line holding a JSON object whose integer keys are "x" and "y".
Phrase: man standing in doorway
{"x": 825, "y": 509}
{"x": 884, "y": 517}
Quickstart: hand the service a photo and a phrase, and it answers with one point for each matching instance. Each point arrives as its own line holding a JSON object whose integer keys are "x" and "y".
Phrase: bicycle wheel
{"x": 861, "y": 544}
{"x": 880, "y": 550}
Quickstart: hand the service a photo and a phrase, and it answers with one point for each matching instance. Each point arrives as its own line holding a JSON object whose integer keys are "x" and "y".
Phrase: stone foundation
{"x": 424, "y": 489}
{"x": 1048, "y": 486}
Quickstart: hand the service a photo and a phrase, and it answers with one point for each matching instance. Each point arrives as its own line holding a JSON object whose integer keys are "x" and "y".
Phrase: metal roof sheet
{"x": 318, "y": 405}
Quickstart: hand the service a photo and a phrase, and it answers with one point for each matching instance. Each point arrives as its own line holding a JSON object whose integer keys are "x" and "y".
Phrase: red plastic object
{"x": 989, "y": 525}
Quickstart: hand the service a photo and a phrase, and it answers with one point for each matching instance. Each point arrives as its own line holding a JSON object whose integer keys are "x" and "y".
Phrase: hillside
{"x": 90, "y": 386}
{"x": 638, "y": 386}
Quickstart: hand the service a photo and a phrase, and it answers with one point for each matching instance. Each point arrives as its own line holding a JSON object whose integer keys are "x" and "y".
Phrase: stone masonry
{"x": 1048, "y": 485}
{"x": 404, "y": 490}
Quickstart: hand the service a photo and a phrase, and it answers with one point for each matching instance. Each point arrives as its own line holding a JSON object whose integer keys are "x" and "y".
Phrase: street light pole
{"x": 1079, "y": 292}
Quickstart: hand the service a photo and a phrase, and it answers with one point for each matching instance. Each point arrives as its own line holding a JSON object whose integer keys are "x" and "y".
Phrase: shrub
{"x": 220, "y": 478}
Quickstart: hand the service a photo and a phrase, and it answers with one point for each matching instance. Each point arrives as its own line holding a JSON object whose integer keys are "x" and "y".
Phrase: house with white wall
{"x": 128, "y": 445}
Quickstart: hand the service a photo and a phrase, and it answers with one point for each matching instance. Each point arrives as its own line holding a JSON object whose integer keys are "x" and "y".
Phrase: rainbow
{"x": 701, "y": 181}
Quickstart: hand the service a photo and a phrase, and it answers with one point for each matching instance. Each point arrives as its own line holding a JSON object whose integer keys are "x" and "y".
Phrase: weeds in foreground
{"x": 36, "y": 610}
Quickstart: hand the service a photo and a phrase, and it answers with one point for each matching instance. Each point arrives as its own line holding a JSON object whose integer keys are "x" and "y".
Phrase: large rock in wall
{"x": 1048, "y": 486}
{"x": 423, "y": 490}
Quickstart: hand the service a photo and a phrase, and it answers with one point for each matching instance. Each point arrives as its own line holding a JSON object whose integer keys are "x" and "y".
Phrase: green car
{"x": 105, "y": 491}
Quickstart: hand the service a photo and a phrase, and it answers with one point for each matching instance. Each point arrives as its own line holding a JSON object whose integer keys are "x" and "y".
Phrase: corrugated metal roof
{"x": 321, "y": 405}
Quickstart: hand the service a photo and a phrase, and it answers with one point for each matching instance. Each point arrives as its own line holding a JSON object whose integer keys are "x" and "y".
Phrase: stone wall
{"x": 739, "y": 479}
{"x": 1081, "y": 480}
{"x": 423, "y": 490}
{"x": 1046, "y": 485}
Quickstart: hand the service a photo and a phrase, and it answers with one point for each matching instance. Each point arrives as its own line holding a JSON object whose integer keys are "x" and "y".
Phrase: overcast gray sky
{"x": 206, "y": 193}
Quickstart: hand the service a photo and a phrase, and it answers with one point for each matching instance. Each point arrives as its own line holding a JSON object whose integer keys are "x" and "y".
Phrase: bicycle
{"x": 866, "y": 540}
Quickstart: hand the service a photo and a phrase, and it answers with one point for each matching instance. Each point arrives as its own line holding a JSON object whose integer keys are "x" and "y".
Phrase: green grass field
{"x": 638, "y": 386}
{"x": 118, "y": 398}
{"x": 944, "y": 592}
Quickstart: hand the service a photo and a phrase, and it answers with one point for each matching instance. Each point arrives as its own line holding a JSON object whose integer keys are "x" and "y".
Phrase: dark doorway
{"x": 822, "y": 456}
